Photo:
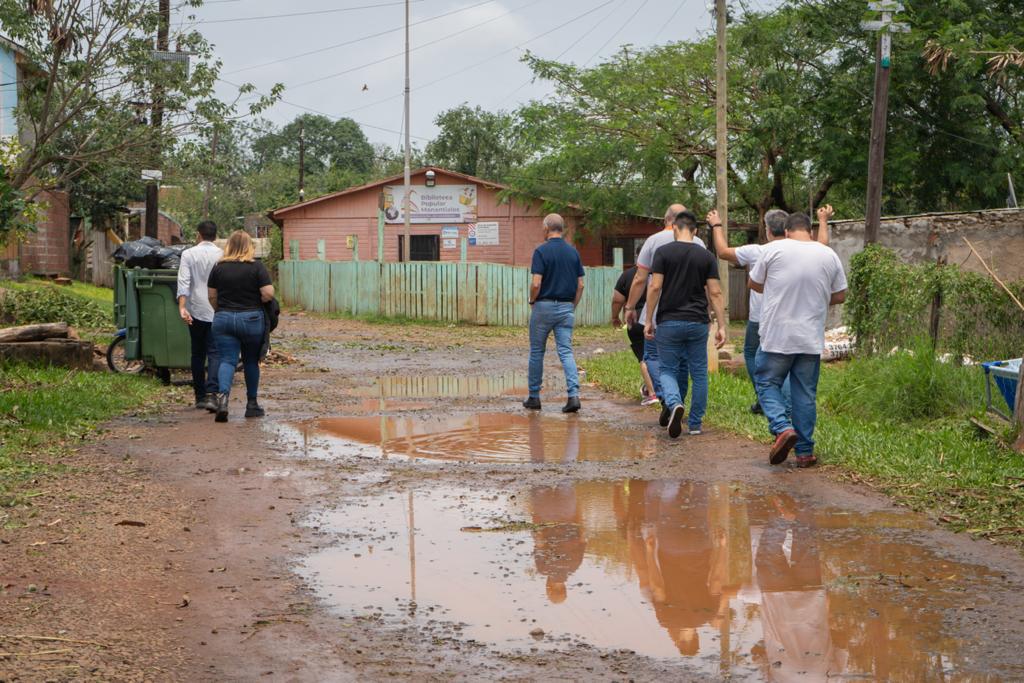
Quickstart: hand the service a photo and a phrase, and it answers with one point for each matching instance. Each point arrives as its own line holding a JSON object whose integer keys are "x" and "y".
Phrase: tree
{"x": 339, "y": 144}
{"x": 476, "y": 142}
{"x": 88, "y": 89}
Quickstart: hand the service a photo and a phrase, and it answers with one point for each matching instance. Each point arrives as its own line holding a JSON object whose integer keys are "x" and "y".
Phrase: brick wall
{"x": 46, "y": 251}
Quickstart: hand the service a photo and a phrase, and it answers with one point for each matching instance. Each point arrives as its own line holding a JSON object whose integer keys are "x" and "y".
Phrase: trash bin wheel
{"x": 117, "y": 362}
{"x": 164, "y": 375}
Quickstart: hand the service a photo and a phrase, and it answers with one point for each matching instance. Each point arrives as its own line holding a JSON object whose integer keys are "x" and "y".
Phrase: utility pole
{"x": 408, "y": 152}
{"x": 879, "y": 111}
{"x": 302, "y": 160}
{"x": 209, "y": 175}
{"x": 722, "y": 144}
{"x": 152, "y": 189}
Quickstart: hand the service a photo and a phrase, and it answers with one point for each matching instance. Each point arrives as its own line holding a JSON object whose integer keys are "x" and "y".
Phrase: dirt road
{"x": 397, "y": 515}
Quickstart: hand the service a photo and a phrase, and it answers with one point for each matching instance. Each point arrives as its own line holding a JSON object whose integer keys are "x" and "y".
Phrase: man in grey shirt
{"x": 195, "y": 309}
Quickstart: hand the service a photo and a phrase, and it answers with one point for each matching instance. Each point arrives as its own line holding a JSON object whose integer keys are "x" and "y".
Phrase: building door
{"x": 422, "y": 247}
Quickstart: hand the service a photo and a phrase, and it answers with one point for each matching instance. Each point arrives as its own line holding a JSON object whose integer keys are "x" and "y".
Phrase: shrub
{"x": 50, "y": 305}
{"x": 904, "y": 386}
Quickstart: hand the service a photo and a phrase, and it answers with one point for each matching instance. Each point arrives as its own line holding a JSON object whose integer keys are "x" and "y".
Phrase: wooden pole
{"x": 408, "y": 151}
{"x": 1018, "y": 411}
{"x": 209, "y": 175}
{"x": 302, "y": 160}
{"x": 721, "y": 144}
{"x": 152, "y": 190}
{"x": 876, "y": 152}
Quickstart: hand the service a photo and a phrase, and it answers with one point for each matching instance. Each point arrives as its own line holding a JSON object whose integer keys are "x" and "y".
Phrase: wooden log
{"x": 60, "y": 352}
{"x": 32, "y": 333}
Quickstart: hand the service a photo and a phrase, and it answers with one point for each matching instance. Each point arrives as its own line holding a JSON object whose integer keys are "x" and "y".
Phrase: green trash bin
{"x": 146, "y": 307}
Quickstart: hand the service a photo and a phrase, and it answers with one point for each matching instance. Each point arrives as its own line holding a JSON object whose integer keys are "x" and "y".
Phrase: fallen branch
{"x": 41, "y": 653}
{"x": 994, "y": 276}
{"x": 51, "y": 639}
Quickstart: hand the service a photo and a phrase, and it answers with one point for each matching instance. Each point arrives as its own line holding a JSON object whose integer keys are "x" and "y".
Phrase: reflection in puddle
{"x": 740, "y": 583}
{"x": 446, "y": 386}
{"x": 483, "y": 437}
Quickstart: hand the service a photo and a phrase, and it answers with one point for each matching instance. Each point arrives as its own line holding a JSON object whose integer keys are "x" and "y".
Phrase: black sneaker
{"x": 532, "y": 403}
{"x": 756, "y": 408}
{"x": 666, "y": 413}
{"x": 572, "y": 405}
{"x": 222, "y": 408}
{"x": 252, "y": 409}
{"x": 675, "y": 422}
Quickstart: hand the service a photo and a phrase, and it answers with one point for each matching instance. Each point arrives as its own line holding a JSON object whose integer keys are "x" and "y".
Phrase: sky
{"x": 463, "y": 51}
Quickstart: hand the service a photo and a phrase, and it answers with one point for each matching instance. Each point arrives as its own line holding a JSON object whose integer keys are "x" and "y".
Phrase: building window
{"x": 630, "y": 247}
{"x": 422, "y": 247}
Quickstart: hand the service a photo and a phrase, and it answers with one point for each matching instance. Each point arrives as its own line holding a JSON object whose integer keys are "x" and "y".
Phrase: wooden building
{"x": 448, "y": 208}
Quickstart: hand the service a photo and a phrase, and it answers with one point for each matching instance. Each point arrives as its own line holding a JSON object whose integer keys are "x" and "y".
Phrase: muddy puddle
{"x": 510, "y": 383}
{"x": 482, "y": 437}
{"x": 736, "y": 581}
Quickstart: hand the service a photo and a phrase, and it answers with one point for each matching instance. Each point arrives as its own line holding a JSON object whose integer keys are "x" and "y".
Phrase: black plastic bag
{"x": 170, "y": 257}
{"x": 140, "y": 253}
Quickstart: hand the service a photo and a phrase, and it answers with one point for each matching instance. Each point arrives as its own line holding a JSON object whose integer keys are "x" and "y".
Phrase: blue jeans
{"x": 234, "y": 332}
{"x": 683, "y": 352}
{"x": 547, "y": 317}
{"x": 654, "y": 367}
{"x": 204, "y": 355}
{"x": 751, "y": 342}
{"x": 802, "y": 369}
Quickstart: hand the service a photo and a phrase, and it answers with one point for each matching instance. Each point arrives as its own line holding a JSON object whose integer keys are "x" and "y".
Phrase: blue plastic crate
{"x": 1006, "y": 374}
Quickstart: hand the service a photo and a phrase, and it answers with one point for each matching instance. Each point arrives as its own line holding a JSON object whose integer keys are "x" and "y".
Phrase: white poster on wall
{"x": 449, "y": 243}
{"x": 438, "y": 204}
{"x": 484, "y": 234}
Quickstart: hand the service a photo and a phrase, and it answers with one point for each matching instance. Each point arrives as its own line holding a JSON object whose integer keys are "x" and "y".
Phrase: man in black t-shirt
{"x": 635, "y": 331}
{"x": 684, "y": 277}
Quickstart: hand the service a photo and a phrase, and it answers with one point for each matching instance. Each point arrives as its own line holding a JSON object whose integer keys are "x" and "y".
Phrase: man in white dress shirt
{"x": 195, "y": 309}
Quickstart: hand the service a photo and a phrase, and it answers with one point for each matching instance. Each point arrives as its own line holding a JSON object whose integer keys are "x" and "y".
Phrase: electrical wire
{"x": 617, "y": 32}
{"x": 484, "y": 61}
{"x": 418, "y": 47}
{"x": 667, "y": 23}
{"x": 304, "y": 14}
{"x": 353, "y": 41}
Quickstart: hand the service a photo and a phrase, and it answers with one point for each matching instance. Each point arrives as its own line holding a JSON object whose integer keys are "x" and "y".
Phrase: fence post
{"x": 321, "y": 249}
{"x": 617, "y": 257}
{"x": 355, "y": 248}
{"x": 462, "y": 249}
{"x": 293, "y": 250}
{"x": 933, "y": 322}
{"x": 380, "y": 236}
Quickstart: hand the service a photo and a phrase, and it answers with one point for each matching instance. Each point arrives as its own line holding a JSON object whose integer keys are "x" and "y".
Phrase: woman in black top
{"x": 239, "y": 285}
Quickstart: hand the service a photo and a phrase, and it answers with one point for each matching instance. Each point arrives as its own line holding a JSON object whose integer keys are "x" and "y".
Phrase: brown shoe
{"x": 806, "y": 460}
{"x": 784, "y": 443}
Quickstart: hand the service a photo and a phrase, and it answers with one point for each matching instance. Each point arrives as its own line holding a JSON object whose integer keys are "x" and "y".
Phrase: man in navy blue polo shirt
{"x": 556, "y": 289}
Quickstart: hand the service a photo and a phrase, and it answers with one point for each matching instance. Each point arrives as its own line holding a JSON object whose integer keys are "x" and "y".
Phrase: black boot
{"x": 222, "y": 408}
{"x": 572, "y": 405}
{"x": 252, "y": 408}
{"x": 532, "y": 403}
{"x": 666, "y": 413}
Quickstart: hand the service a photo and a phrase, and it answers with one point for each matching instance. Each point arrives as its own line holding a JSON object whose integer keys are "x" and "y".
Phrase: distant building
{"x": 455, "y": 207}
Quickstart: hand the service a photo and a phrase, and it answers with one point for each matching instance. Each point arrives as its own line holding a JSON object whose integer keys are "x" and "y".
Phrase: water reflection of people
{"x": 558, "y": 542}
{"x": 794, "y": 603}
{"x": 535, "y": 438}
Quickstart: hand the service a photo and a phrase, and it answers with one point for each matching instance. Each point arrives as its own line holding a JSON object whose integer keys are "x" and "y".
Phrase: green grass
{"x": 100, "y": 295}
{"x": 87, "y": 307}
{"x": 44, "y": 412}
{"x": 940, "y": 466}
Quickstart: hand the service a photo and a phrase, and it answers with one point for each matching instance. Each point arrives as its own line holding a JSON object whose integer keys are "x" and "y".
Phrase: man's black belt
{"x": 559, "y": 301}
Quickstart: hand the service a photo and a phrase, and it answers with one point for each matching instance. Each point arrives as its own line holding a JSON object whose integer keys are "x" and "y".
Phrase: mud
{"x": 397, "y": 515}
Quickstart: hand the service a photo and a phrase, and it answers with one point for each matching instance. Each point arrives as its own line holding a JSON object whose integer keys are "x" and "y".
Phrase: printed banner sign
{"x": 438, "y": 204}
{"x": 449, "y": 243}
{"x": 483, "y": 234}
{"x": 450, "y": 232}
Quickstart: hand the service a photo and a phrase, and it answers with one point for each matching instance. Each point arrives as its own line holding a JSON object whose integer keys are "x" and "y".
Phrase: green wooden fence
{"x": 481, "y": 293}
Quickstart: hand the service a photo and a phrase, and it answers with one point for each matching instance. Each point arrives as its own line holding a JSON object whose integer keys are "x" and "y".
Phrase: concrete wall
{"x": 997, "y": 234}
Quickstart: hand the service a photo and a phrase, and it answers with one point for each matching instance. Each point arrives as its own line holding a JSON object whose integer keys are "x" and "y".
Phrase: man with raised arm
{"x": 800, "y": 278}
{"x": 746, "y": 256}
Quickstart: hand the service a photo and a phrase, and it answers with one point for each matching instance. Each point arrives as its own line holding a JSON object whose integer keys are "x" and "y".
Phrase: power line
{"x": 667, "y": 23}
{"x": 488, "y": 59}
{"x": 617, "y": 32}
{"x": 304, "y": 14}
{"x": 418, "y": 47}
{"x": 361, "y": 39}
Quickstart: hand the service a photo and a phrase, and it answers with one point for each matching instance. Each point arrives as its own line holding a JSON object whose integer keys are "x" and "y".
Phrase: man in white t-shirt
{"x": 800, "y": 279}
{"x": 644, "y": 261}
{"x": 746, "y": 256}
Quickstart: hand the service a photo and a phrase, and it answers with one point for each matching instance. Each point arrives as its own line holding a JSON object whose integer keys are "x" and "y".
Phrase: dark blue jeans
{"x": 239, "y": 332}
{"x": 751, "y": 342}
{"x": 802, "y": 369}
{"x": 683, "y": 354}
{"x": 204, "y": 355}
